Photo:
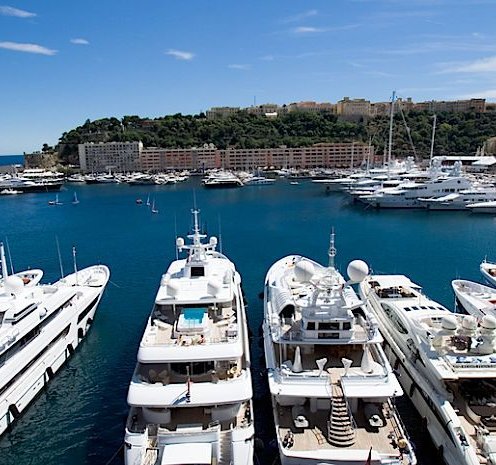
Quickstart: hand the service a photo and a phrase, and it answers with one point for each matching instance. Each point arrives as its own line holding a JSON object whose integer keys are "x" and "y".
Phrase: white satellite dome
{"x": 213, "y": 241}
{"x": 304, "y": 270}
{"x": 448, "y": 323}
{"x": 357, "y": 271}
{"x": 180, "y": 242}
{"x": 469, "y": 322}
{"x": 488, "y": 322}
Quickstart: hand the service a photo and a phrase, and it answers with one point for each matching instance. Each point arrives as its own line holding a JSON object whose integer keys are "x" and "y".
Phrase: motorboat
{"x": 221, "y": 178}
{"x": 488, "y": 270}
{"x": 446, "y": 363}
{"x": 332, "y": 388}
{"x": 476, "y": 299}
{"x": 40, "y": 327}
{"x": 190, "y": 396}
{"x": 488, "y": 206}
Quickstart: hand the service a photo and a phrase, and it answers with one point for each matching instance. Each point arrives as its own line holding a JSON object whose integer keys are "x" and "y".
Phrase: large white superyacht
{"x": 447, "y": 365}
{"x": 190, "y": 396}
{"x": 40, "y": 326}
{"x": 331, "y": 385}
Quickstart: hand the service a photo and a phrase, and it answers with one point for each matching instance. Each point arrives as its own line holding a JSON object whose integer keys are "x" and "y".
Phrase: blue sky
{"x": 62, "y": 62}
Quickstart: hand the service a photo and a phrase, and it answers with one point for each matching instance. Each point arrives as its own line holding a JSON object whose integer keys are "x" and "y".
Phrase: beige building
{"x": 104, "y": 156}
{"x": 221, "y": 112}
{"x": 358, "y": 107}
{"x": 312, "y": 107}
{"x": 326, "y": 155}
{"x": 477, "y": 105}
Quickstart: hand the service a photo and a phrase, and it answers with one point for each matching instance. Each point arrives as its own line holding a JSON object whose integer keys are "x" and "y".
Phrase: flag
{"x": 369, "y": 458}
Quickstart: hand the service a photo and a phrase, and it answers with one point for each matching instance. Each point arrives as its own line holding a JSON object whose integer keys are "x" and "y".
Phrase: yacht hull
{"x": 50, "y": 350}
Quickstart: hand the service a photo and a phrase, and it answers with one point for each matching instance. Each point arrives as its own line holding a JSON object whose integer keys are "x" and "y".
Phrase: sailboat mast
{"x": 391, "y": 117}
{"x": 432, "y": 140}
{"x": 5, "y": 271}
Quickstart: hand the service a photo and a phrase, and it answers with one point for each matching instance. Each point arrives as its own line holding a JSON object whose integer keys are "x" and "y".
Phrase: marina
{"x": 108, "y": 226}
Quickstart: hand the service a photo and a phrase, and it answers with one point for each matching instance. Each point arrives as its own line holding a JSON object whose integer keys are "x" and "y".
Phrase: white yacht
{"x": 447, "y": 365}
{"x": 40, "y": 327}
{"x": 476, "y": 299}
{"x": 488, "y": 270}
{"x": 461, "y": 200}
{"x": 331, "y": 385}
{"x": 221, "y": 178}
{"x": 488, "y": 206}
{"x": 190, "y": 396}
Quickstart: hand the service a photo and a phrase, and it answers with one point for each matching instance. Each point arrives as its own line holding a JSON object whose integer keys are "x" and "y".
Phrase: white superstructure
{"x": 191, "y": 392}
{"x": 331, "y": 385}
{"x": 40, "y": 327}
{"x": 447, "y": 365}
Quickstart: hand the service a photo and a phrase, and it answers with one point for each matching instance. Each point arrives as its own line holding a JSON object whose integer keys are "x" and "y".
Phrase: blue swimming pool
{"x": 194, "y": 315}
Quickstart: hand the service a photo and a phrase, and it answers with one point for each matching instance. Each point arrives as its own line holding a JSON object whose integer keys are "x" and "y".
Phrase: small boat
{"x": 56, "y": 201}
{"x": 154, "y": 210}
{"x": 10, "y": 192}
{"x": 75, "y": 200}
{"x": 139, "y": 201}
{"x": 294, "y": 183}
{"x": 148, "y": 201}
{"x": 476, "y": 299}
{"x": 488, "y": 270}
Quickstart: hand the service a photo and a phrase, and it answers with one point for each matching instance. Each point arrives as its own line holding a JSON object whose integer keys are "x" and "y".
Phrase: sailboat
{"x": 75, "y": 200}
{"x": 56, "y": 201}
{"x": 154, "y": 210}
{"x": 148, "y": 200}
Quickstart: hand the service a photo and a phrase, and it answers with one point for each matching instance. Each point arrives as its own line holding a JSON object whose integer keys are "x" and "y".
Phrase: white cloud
{"x": 27, "y": 48}
{"x": 240, "y": 67}
{"x": 180, "y": 54}
{"x": 483, "y": 65}
{"x": 10, "y": 11}
{"x": 300, "y": 16}
{"x": 79, "y": 41}
{"x": 307, "y": 30}
{"x": 268, "y": 58}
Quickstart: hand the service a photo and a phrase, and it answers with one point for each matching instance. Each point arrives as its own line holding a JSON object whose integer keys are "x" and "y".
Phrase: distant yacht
{"x": 40, "y": 326}
{"x": 190, "y": 396}
{"x": 331, "y": 385}
{"x": 221, "y": 178}
{"x": 446, "y": 363}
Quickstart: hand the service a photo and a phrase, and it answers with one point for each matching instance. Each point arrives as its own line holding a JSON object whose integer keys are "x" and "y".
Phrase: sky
{"x": 62, "y": 62}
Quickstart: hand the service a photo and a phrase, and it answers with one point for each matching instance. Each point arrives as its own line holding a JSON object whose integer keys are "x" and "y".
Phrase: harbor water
{"x": 79, "y": 418}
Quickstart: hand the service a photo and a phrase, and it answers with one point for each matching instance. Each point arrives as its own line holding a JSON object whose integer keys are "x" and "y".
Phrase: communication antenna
{"x": 60, "y": 258}
{"x": 10, "y": 255}
{"x": 74, "y": 261}
{"x": 332, "y": 250}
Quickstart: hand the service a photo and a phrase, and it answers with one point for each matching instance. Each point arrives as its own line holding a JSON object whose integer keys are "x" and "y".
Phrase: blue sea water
{"x": 79, "y": 419}
{"x": 6, "y": 160}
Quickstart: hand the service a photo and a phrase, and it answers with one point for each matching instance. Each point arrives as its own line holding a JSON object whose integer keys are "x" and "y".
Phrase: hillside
{"x": 456, "y": 133}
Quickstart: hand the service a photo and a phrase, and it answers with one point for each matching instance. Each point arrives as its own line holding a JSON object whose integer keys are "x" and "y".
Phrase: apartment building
{"x": 104, "y": 156}
{"x": 353, "y": 107}
{"x": 221, "y": 112}
{"x": 330, "y": 155}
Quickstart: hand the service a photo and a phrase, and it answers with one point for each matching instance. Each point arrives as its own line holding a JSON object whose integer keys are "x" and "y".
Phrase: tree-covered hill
{"x": 456, "y": 133}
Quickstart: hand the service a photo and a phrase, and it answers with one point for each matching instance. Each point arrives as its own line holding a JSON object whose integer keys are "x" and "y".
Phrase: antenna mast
{"x": 332, "y": 250}
{"x": 60, "y": 258}
{"x": 75, "y": 265}
{"x": 390, "y": 145}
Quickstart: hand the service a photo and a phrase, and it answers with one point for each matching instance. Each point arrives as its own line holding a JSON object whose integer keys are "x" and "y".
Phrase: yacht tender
{"x": 331, "y": 385}
{"x": 447, "y": 365}
{"x": 191, "y": 392}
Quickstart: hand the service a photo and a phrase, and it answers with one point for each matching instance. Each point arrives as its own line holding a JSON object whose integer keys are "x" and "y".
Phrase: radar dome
{"x": 304, "y": 271}
{"x": 13, "y": 284}
{"x": 469, "y": 322}
{"x": 213, "y": 241}
{"x": 448, "y": 323}
{"x": 180, "y": 242}
{"x": 488, "y": 322}
{"x": 357, "y": 270}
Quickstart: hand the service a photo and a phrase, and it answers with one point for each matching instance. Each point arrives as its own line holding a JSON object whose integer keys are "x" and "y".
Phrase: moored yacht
{"x": 476, "y": 299}
{"x": 488, "y": 270}
{"x": 331, "y": 385}
{"x": 40, "y": 326}
{"x": 446, "y": 364}
{"x": 190, "y": 396}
